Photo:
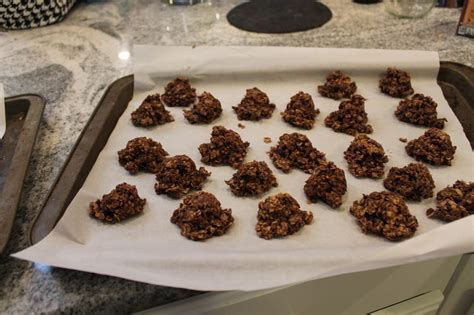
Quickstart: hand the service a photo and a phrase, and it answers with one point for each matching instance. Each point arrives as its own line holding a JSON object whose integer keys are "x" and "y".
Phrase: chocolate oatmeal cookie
{"x": 254, "y": 106}
{"x": 327, "y": 183}
{"x": 151, "y": 113}
{"x": 142, "y": 154}
{"x": 178, "y": 175}
{"x": 454, "y": 202}
{"x": 121, "y": 203}
{"x": 252, "y": 179}
{"x": 338, "y": 85}
{"x": 365, "y": 157}
{"x": 300, "y": 111}
{"x": 414, "y": 181}
{"x": 420, "y": 110}
{"x": 350, "y": 118}
{"x": 200, "y": 216}
{"x": 295, "y": 150}
{"x": 433, "y": 147}
{"x": 280, "y": 215}
{"x": 396, "y": 83}
{"x": 226, "y": 148}
{"x": 179, "y": 93}
{"x": 385, "y": 214}
{"x": 207, "y": 109}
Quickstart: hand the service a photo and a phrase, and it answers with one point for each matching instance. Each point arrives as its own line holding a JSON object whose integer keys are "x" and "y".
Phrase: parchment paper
{"x": 150, "y": 249}
{"x": 3, "y": 120}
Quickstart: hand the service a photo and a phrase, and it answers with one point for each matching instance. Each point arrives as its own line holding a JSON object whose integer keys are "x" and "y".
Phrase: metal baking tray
{"x": 83, "y": 156}
{"x": 23, "y": 115}
{"x": 456, "y": 80}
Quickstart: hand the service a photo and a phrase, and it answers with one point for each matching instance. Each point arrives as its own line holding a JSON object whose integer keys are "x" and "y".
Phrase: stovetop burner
{"x": 279, "y": 16}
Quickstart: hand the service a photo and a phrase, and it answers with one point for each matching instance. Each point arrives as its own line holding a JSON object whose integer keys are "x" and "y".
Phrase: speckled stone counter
{"x": 72, "y": 63}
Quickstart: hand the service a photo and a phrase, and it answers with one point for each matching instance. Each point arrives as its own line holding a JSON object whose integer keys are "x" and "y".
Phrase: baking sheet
{"x": 149, "y": 248}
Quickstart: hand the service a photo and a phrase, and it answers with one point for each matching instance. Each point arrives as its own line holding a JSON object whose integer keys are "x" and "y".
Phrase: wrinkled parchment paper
{"x": 150, "y": 249}
{"x": 3, "y": 120}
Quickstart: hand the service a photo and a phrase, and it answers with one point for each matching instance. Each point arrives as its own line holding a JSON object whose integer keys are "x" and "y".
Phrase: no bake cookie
{"x": 454, "y": 202}
{"x": 206, "y": 110}
{"x": 279, "y": 216}
{"x": 433, "y": 147}
{"x": 327, "y": 183}
{"x": 414, "y": 181}
{"x": 179, "y": 93}
{"x": 226, "y": 148}
{"x": 300, "y": 111}
{"x": 178, "y": 175}
{"x": 419, "y": 110}
{"x": 385, "y": 214}
{"x": 338, "y": 85}
{"x": 121, "y": 203}
{"x": 200, "y": 217}
{"x": 142, "y": 154}
{"x": 151, "y": 112}
{"x": 252, "y": 179}
{"x": 396, "y": 83}
{"x": 254, "y": 106}
{"x": 365, "y": 157}
{"x": 295, "y": 150}
{"x": 350, "y": 118}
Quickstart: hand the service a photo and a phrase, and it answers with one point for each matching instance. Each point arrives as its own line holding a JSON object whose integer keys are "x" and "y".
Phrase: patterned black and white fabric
{"x": 22, "y": 14}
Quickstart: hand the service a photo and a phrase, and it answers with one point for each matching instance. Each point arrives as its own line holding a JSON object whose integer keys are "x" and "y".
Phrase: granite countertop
{"x": 72, "y": 63}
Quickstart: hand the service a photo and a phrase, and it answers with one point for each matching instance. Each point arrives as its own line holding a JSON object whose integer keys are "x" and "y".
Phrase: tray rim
{"x": 112, "y": 85}
{"x": 68, "y": 159}
{"x": 29, "y": 132}
{"x": 446, "y": 65}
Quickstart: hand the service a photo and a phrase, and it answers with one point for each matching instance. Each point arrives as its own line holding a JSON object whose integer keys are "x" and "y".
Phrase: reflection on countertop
{"x": 72, "y": 63}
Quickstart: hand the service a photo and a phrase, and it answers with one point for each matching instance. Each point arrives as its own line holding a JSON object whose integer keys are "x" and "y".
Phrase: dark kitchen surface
{"x": 86, "y": 52}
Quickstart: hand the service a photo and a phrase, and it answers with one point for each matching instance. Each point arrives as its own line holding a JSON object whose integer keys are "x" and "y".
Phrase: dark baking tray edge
{"x": 457, "y": 83}
{"x": 82, "y": 157}
{"x": 37, "y": 232}
{"x": 13, "y": 184}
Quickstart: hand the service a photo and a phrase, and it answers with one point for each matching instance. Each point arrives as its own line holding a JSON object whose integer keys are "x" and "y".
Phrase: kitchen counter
{"x": 72, "y": 63}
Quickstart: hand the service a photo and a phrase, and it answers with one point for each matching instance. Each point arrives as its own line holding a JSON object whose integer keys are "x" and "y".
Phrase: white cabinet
{"x": 355, "y": 293}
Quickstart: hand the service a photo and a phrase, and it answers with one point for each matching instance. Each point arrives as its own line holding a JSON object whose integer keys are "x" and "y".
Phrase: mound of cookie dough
{"x": 206, "y": 110}
{"x": 327, "y": 183}
{"x": 226, "y": 148}
{"x": 365, "y": 157}
{"x": 350, "y": 118}
{"x": 414, "y": 181}
{"x": 280, "y": 215}
{"x": 179, "y": 93}
{"x": 200, "y": 216}
{"x": 338, "y": 85}
{"x": 419, "y": 110}
{"x": 142, "y": 154}
{"x": 178, "y": 175}
{"x": 252, "y": 179}
{"x": 433, "y": 147}
{"x": 295, "y": 150}
{"x": 151, "y": 113}
{"x": 300, "y": 111}
{"x": 396, "y": 83}
{"x": 121, "y": 203}
{"x": 454, "y": 202}
{"x": 254, "y": 106}
{"x": 385, "y": 214}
